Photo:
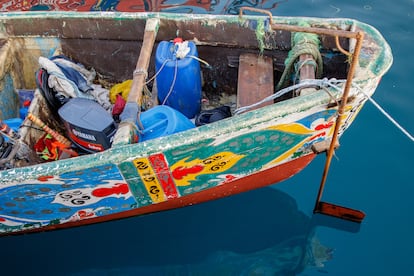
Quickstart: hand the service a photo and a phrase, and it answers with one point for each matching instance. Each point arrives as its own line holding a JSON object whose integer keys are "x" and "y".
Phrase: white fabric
{"x": 101, "y": 96}
{"x": 67, "y": 88}
{"x": 89, "y": 75}
{"x": 57, "y": 80}
{"x": 182, "y": 49}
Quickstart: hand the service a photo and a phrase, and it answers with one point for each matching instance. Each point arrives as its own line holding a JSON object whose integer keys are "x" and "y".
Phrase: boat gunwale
{"x": 240, "y": 124}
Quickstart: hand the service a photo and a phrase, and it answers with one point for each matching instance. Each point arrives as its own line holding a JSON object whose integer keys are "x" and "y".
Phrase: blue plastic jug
{"x": 163, "y": 120}
{"x": 179, "y": 79}
{"x": 14, "y": 123}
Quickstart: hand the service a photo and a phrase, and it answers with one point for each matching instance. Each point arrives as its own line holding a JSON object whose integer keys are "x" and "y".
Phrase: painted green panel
{"x": 247, "y": 153}
{"x": 135, "y": 183}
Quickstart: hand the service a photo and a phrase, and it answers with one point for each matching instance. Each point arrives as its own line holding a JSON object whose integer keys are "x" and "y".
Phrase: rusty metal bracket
{"x": 354, "y": 58}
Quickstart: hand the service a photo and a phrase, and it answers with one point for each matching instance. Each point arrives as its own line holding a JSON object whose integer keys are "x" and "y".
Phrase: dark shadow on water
{"x": 239, "y": 230}
{"x": 336, "y": 223}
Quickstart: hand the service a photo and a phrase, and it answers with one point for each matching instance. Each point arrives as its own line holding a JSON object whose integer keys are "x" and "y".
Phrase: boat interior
{"x": 241, "y": 61}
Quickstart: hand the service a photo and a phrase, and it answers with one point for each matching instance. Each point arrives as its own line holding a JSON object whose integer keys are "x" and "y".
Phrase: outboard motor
{"x": 90, "y": 127}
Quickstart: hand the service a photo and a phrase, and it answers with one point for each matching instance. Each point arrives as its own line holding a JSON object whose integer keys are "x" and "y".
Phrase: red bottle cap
{"x": 178, "y": 40}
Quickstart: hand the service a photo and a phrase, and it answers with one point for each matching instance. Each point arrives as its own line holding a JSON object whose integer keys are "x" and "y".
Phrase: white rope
{"x": 172, "y": 83}
{"x": 182, "y": 51}
{"x": 324, "y": 83}
{"x": 200, "y": 60}
{"x": 388, "y": 116}
{"x": 159, "y": 71}
{"x": 302, "y": 84}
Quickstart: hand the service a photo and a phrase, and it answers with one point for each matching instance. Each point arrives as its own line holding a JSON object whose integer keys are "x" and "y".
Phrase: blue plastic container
{"x": 23, "y": 112}
{"x": 186, "y": 93}
{"x": 161, "y": 121}
{"x": 14, "y": 124}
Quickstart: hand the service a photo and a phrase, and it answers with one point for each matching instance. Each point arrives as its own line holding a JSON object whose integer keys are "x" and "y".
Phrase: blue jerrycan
{"x": 162, "y": 120}
{"x": 179, "y": 76}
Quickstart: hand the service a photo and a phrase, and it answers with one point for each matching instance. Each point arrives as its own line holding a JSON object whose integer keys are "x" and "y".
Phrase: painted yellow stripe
{"x": 149, "y": 178}
{"x": 293, "y": 128}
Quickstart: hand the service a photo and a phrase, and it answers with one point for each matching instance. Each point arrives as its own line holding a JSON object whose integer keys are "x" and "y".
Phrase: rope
{"x": 323, "y": 83}
{"x": 303, "y": 43}
{"x": 201, "y": 60}
{"x": 182, "y": 51}
{"x": 159, "y": 71}
{"x": 172, "y": 83}
{"x": 388, "y": 116}
{"x": 140, "y": 71}
{"x": 305, "y": 83}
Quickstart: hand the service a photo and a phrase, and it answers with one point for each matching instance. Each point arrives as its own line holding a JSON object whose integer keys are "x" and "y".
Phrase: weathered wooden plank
{"x": 255, "y": 79}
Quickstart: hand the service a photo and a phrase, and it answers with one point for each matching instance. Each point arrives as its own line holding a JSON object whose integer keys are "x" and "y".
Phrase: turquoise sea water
{"x": 271, "y": 231}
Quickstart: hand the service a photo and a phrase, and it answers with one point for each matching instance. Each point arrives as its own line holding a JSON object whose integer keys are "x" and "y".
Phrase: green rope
{"x": 260, "y": 34}
{"x": 303, "y": 43}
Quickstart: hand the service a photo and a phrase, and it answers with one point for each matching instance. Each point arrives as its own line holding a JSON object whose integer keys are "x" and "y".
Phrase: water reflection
{"x": 176, "y": 6}
{"x": 260, "y": 232}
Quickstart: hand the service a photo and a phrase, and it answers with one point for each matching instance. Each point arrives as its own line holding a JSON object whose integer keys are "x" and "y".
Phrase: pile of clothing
{"x": 61, "y": 79}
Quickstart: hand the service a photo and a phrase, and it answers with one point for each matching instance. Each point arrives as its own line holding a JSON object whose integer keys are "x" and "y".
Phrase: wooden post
{"x": 307, "y": 71}
{"x": 128, "y": 131}
{"x": 140, "y": 72}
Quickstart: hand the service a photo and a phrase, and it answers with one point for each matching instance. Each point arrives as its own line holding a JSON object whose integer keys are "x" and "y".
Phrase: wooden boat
{"x": 281, "y": 117}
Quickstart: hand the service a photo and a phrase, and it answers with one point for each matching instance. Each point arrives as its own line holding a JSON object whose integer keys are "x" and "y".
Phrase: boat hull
{"x": 250, "y": 150}
{"x": 251, "y": 182}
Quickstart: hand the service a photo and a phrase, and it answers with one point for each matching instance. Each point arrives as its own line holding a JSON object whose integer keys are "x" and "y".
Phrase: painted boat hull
{"x": 251, "y": 182}
{"x": 251, "y": 150}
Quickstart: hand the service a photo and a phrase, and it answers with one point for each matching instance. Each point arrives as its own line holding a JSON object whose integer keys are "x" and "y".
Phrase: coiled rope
{"x": 302, "y": 43}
